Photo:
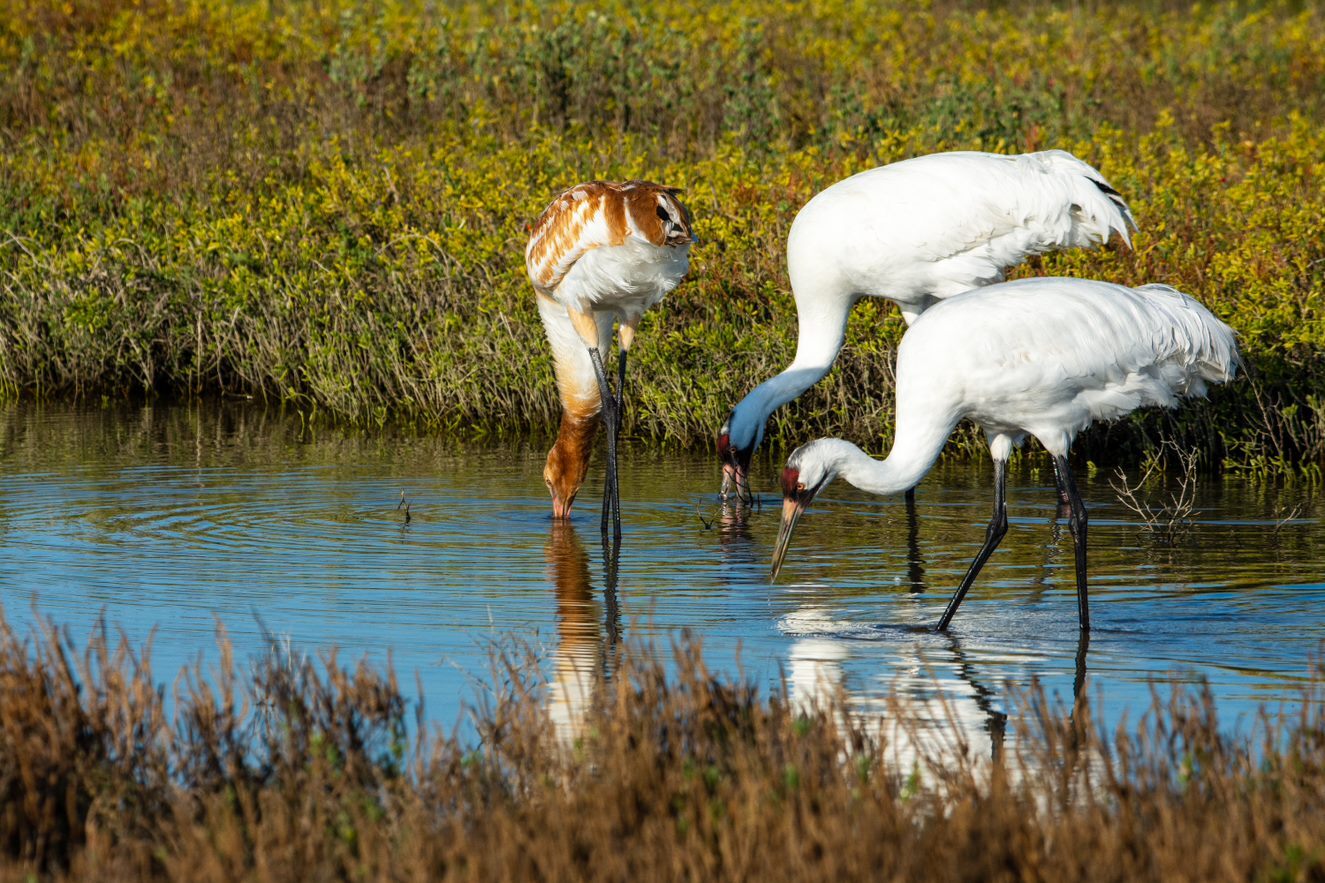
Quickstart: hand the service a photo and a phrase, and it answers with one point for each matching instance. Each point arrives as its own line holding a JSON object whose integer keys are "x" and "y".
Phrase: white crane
{"x": 602, "y": 253}
{"x": 1044, "y": 357}
{"x": 917, "y": 232}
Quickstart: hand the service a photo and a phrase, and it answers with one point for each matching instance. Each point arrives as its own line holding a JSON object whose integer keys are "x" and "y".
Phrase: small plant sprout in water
{"x": 1169, "y": 520}
{"x": 1285, "y": 515}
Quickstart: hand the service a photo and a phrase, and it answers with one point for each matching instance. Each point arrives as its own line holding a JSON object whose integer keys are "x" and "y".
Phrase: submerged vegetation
{"x": 325, "y": 204}
{"x": 290, "y": 768}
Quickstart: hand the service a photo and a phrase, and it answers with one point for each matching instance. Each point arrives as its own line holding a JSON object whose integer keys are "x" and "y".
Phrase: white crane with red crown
{"x": 917, "y": 232}
{"x": 600, "y": 256}
{"x": 1041, "y": 357}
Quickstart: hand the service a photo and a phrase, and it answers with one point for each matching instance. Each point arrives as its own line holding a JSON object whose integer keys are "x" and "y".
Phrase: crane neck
{"x": 822, "y": 332}
{"x": 919, "y": 440}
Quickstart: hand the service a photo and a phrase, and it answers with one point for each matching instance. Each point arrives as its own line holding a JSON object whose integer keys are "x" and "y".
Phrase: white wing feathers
{"x": 932, "y": 227}
{"x": 1050, "y": 356}
{"x": 1205, "y": 343}
{"x": 1021, "y": 206}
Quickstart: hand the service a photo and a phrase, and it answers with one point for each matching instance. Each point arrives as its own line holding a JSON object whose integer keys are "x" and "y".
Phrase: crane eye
{"x": 800, "y": 485}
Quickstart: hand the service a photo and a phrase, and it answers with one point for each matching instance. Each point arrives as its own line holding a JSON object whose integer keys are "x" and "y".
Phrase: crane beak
{"x": 792, "y": 510}
{"x": 561, "y": 508}
{"x": 735, "y": 471}
{"x": 734, "y": 482}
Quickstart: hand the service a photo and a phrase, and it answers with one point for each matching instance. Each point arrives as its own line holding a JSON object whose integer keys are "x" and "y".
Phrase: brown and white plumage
{"x": 599, "y": 256}
{"x": 601, "y": 214}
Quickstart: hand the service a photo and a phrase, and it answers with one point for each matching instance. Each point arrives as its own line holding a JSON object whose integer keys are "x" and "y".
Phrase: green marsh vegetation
{"x": 324, "y": 204}
{"x": 296, "y": 768}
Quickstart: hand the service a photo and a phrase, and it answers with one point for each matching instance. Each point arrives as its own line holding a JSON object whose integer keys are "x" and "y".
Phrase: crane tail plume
{"x": 1208, "y": 344}
{"x": 1100, "y": 211}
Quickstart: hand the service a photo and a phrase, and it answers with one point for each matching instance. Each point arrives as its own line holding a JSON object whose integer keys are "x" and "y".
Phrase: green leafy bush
{"x": 325, "y": 204}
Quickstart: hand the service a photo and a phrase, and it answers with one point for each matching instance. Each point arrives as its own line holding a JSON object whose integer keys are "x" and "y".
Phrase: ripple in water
{"x": 170, "y": 521}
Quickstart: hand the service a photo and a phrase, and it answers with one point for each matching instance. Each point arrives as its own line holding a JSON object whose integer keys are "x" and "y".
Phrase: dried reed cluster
{"x": 296, "y": 769}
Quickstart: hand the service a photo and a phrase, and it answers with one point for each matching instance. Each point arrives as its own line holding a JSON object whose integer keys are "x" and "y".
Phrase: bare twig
{"x": 1171, "y": 519}
{"x": 1283, "y": 515}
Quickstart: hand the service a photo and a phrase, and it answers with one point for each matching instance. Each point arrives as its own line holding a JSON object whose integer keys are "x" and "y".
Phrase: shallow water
{"x": 168, "y": 521}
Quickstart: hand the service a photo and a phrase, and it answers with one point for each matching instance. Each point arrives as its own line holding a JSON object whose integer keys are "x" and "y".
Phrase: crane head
{"x": 800, "y": 483}
{"x": 568, "y": 463}
{"x": 735, "y": 466}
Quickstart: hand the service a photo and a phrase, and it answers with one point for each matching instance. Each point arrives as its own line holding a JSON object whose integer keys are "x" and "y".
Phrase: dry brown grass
{"x": 299, "y": 770}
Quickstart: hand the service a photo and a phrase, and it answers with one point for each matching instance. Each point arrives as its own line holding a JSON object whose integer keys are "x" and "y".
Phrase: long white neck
{"x": 823, "y": 326}
{"x": 916, "y": 447}
{"x": 577, "y": 383}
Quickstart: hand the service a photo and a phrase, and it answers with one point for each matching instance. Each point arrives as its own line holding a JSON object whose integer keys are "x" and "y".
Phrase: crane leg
{"x": 620, "y": 405}
{"x": 626, "y": 333}
{"x": 1079, "y": 679}
{"x": 998, "y": 528}
{"x": 1067, "y": 487}
{"x": 1064, "y": 501}
{"x": 621, "y": 390}
{"x": 611, "y": 501}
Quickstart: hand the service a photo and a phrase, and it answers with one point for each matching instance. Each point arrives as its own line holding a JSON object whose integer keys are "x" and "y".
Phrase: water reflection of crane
{"x": 735, "y": 544}
{"x": 934, "y": 709}
{"x": 582, "y": 660}
{"x": 936, "y": 713}
{"x": 915, "y": 565}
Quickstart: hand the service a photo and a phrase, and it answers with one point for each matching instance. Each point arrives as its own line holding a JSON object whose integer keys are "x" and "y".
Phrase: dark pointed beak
{"x": 735, "y": 472}
{"x": 792, "y": 510}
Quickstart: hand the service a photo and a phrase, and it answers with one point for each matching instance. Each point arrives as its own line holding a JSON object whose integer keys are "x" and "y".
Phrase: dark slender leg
{"x": 1064, "y": 501}
{"x": 998, "y": 527}
{"x": 621, "y": 387}
{"x": 611, "y": 506}
{"x": 1067, "y": 486}
{"x": 620, "y": 422}
{"x": 915, "y": 565}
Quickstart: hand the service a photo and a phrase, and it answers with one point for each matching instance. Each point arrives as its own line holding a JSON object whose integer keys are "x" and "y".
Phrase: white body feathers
{"x": 623, "y": 280}
{"x": 928, "y": 228}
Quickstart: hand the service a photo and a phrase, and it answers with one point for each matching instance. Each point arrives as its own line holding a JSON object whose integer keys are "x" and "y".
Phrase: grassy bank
{"x": 325, "y": 204}
{"x": 287, "y": 769}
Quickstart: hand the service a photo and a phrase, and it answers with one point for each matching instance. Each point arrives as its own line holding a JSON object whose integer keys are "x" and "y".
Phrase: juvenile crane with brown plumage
{"x": 599, "y": 256}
